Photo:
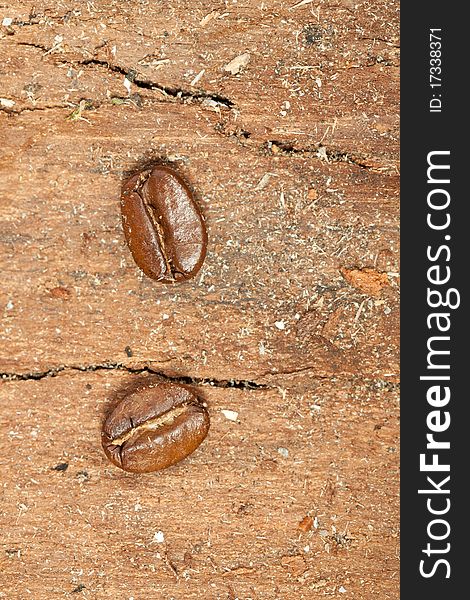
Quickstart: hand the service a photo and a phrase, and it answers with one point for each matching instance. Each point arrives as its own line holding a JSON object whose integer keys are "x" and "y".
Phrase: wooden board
{"x": 292, "y": 323}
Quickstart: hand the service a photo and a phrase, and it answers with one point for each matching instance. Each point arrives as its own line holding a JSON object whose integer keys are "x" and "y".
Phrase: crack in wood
{"x": 243, "y": 384}
{"x": 318, "y": 151}
{"x": 174, "y": 92}
{"x": 184, "y": 379}
{"x": 285, "y": 148}
{"x": 177, "y": 93}
{"x": 33, "y": 45}
{"x": 18, "y": 111}
{"x": 130, "y": 74}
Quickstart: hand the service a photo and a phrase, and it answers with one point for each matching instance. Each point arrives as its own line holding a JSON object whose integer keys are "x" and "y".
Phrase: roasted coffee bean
{"x": 163, "y": 225}
{"x": 153, "y": 427}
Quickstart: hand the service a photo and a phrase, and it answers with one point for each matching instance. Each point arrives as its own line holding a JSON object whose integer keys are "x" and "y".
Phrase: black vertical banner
{"x": 435, "y": 326}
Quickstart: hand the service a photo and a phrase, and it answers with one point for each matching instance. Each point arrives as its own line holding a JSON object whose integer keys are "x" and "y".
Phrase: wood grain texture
{"x": 292, "y": 322}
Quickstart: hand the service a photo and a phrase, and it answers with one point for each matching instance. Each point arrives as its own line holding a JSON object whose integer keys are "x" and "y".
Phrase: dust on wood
{"x": 290, "y": 331}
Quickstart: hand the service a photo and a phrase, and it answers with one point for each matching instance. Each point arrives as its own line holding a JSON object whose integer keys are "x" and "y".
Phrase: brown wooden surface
{"x": 292, "y": 322}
